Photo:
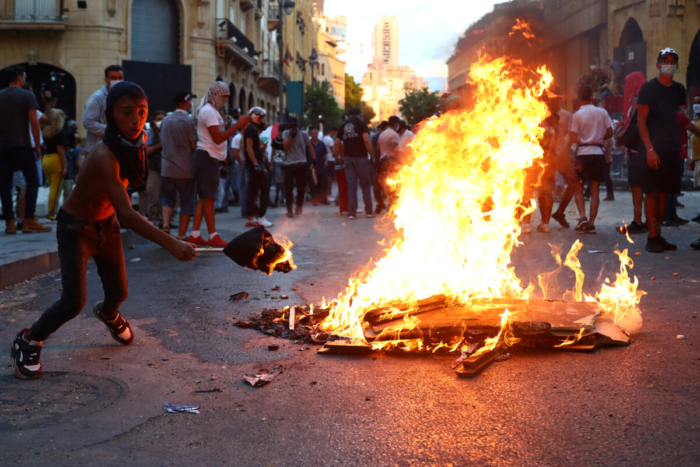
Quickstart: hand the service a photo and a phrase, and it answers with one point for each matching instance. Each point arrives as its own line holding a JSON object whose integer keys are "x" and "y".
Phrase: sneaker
{"x": 31, "y": 225}
{"x": 633, "y": 228}
{"x": 696, "y": 219}
{"x": 370, "y": 215}
{"x": 670, "y": 223}
{"x": 253, "y": 223}
{"x": 290, "y": 214}
{"x": 343, "y": 213}
{"x": 25, "y": 357}
{"x": 561, "y": 218}
{"x": 11, "y": 227}
{"x": 197, "y": 241}
{"x": 609, "y": 198}
{"x": 526, "y": 228}
{"x": 119, "y": 327}
{"x": 589, "y": 229}
{"x": 51, "y": 218}
{"x": 297, "y": 211}
{"x": 264, "y": 222}
{"x": 543, "y": 228}
{"x": 679, "y": 204}
{"x": 653, "y": 245}
{"x": 379, "y": 208}
{"x": 666, "y": 246}
{"x": 221, "y": 210}
{"x": 351, "y": 216}
{"x": 695, "y": 245}
{"x": 582, "y": 223}
{"x": 680, "y": 220}
{"x": 217, "y": 242}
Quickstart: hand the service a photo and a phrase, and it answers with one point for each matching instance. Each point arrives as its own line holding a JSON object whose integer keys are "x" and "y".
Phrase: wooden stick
{"x": 209, "y": 250}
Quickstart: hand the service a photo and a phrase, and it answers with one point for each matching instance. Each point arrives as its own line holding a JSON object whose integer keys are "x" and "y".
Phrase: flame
{"x": 458, "y": 210}
{"x": 572, "y": 341}
{"x": 524, "y": 27}
{"x": 545, "y": 278}
{"x": 621, "y": 299}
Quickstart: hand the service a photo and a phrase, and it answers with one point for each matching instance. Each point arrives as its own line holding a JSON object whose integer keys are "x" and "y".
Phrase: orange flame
{"x": 524, "y": 27}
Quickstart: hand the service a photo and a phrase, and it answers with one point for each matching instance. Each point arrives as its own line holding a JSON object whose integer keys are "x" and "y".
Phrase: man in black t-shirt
{"x": 17, "y": 119}
{"x": 257, "y": 166}
{"x": 657, "y": 108}
{"x": 353, "y": 147}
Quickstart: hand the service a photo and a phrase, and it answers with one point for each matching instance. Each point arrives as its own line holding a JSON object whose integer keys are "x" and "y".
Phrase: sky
{"x": 428, "y": 31}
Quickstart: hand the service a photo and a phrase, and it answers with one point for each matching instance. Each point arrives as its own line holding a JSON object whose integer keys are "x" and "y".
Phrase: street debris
{"x": 209, "y": 390}
{"x": 276, "y": 288}
{"x": 181, "y": 408}
{"x": 237, "y": 297}
{"x": 273, "y": 347}
{"x": 680, "y": 337}
{"x": 502, "y": 357}
{"x": 263, "y": 377}
{"x": 256, "y": 249}
{"x": 596, "y": 251}
{"x": 276, "y": 323}
{"x": 135, "y": 260}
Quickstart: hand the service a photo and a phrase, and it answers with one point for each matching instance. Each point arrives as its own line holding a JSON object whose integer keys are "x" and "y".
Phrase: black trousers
{"x": 79, "y": 240}
{"x": 295, "y": 174}
{"x": 259, "y": 183}
{"x": 11, "y": 160}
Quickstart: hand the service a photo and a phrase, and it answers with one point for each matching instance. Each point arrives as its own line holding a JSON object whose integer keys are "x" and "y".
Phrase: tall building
{"x": 385, "y": 41}
{"x": 386, "y": 82}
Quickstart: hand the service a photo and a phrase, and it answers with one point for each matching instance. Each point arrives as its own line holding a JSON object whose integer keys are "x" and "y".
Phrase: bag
{"x": 256, "y": 249}
{"x": 631, "y": 137}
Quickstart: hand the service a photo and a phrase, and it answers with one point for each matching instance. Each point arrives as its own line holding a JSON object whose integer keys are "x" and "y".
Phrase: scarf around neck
{"x": 131, "y": 154}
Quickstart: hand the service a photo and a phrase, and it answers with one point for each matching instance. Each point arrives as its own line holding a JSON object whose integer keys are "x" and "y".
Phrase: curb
{"x": 45, "y": 261}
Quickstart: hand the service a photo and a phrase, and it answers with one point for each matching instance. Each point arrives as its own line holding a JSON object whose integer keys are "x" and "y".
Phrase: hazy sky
{"x": 428, "y": 30}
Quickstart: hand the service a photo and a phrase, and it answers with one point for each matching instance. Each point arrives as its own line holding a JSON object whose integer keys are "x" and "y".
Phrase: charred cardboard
{"x": 246, "y": 249}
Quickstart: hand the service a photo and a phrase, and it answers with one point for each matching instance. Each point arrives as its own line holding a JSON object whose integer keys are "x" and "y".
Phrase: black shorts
{"x": 591, "y": 167}
{"x": 668, "y": 178}
{"x": 635, "y": 168}
{"x": 205, "y": 170}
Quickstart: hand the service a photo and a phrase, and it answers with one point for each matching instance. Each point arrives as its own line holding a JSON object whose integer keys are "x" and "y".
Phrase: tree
{"x": 320, "y": 101}
{"x": 418, "y": 105}
{"x": 353, "y": 93}
{"x": 368, "y": 113}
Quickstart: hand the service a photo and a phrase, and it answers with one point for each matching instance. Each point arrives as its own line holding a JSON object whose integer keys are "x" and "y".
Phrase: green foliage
{"x": 368, "y": 113}
{"x": 320, "y": 101}
{"x": 353, "y": 93}
{"x": 418, "y": 105}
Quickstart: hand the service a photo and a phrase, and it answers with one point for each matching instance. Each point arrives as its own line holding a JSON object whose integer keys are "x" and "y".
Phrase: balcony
{"x": 235, "y": 46}
{"x": 248, "y": 4}
{"x": 273, "y": 16}
{"x": 32, "y": 15}
{"x": 270, "y": 78}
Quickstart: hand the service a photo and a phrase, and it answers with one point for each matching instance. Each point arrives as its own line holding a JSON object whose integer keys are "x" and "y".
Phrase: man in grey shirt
{"x": 94, "y": 119}
{"x": 296, "y": 143}
{"x": 17, "y": 118}
{"x": 179, "y": 139}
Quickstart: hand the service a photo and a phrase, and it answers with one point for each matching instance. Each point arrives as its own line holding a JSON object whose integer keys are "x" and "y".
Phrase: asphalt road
{"x": 101, "y": 404}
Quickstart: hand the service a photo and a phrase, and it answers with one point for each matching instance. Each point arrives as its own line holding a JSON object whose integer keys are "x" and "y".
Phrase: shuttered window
{"x": 155, "y": 31}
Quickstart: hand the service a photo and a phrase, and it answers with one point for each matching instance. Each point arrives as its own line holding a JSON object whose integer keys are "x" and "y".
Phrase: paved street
{"x": 101, "y": 404}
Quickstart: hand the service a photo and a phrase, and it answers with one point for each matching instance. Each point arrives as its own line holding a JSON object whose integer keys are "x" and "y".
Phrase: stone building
{"x": 164, "y": 45}
{"x": 331, "y": 40}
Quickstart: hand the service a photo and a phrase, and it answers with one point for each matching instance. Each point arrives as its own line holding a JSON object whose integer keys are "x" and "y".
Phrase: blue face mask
{"x": 668, "y": 70}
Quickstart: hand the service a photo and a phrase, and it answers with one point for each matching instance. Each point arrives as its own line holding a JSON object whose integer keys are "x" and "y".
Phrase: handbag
{"x": 631, "y": 138}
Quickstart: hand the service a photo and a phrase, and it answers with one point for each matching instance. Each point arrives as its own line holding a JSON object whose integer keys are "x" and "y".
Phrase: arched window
{"x": 251, "y": 101}
{"x": 242, "y": 102}
{"x": 231, "y": 97}
{"x": 155, "y": 26}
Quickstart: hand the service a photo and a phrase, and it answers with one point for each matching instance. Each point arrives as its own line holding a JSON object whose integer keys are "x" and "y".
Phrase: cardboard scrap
{"x": 263, "y": 377}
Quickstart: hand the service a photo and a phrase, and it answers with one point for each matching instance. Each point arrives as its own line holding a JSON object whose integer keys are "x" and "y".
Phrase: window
{"x": 323, "y": 69}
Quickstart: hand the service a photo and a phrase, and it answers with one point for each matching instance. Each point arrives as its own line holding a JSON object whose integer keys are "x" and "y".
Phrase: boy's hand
{"x": 183, "y": 251}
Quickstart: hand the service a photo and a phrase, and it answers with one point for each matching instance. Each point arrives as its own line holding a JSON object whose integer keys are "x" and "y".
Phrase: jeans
{"x": 11, "y": 160}
{"x": 378, "y": 197}
{"x": 342, "y": 188}
{"x": 78, "y": 240}
{"x": 259, "y": 184}
{"x": 243, "y": 190}
{"x": 295, "y": 173}
{"x": 671, "y": 213}
{"x": 357, "y": 169}
{"x": 231, "y": 184}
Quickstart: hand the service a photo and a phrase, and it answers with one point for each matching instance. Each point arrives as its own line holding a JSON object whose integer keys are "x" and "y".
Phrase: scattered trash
{"x": 273, "y": 347}
{"x": 263, "y": 377}
{"x": 181, "y": 408}
{"x": 292, "y": 317}
{"x": 459, "y": 360}
{"x": 276, "y": 288}
{"x": 680, "y": 337}
{"x": 135, "y": 260}
{"x": 209, "y": 390}
{"x": 246, "y": 250}
{"x": 275, "y": 323}
{"x": 152, "y": 364}
{"x": 675, "y": 273}
{"x": 502, "y": 357}
{"x": 652, "y": 386}
{"x": 294, "y": 288}
{"x": 284, "y": 297}
{"x": 214, "y": 378}
{"x": 590, "y": 251}
{"x": 237, "y": 297}
{"x": 653, "y": 278}
{"x": 637, "y": 254}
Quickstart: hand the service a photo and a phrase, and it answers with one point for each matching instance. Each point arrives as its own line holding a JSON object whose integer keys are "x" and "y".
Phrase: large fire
{"x": 458, "y": 212}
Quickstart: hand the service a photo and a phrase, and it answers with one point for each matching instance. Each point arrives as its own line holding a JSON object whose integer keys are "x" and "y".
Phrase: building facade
{"x": 164, "y": 45}
{"x": 330, "y": 40}
{"x": 385, "y": 41}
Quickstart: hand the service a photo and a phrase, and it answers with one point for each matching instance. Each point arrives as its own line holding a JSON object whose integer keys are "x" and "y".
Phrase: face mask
{"x": 157, "y": 124}
{"x": 696, "y": 108}
{"x": 113, "y": 83}
{"x": 668, "y": 70}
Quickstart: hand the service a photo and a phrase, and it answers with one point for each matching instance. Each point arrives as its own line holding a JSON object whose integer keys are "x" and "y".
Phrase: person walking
{"x": 590, "y": 127}
{"x": 54, "y": 161}
{"x": 17, "y": 118}
{"x": 296, "y": 143}
{"x": 278, "y": 156}
{"x": 258, "y": 167}
{"x": 388, "y": 144}
{"x": 72, "y": 154}
{"x": 321, "y": 152}
{"x": 671, "y": 217}
{"x": 88, "y": 228}
{"x": 657, "y": 118}
{"x": 354, "y": 148}
{"x": 329, "y": 141}
{"x": 374, "y": 139}
{"x": 179, "y": 140}
{"x": 154, "y": 149}
{"x": 206, "y": 162}
{"x": 94, "y": 119}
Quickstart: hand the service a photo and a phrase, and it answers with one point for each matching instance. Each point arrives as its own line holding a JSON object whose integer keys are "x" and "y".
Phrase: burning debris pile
{"x": 297, "y": 323}
{"x": 445, "y": 281}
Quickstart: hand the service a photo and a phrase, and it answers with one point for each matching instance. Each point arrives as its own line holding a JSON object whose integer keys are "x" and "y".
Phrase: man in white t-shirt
{"x": 405, "y": 135}
{"x": 329, "y": 142}
{"x": 590, "y": 126}
{"x": 206, "y": 161}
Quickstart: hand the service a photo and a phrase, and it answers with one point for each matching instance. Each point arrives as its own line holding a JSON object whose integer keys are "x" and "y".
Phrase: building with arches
{"x": 164, "y": 45}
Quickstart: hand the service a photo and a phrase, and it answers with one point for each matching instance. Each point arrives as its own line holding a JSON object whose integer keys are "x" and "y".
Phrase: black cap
{"x": 667, "y": 51}
{"x": 292, "y": 120}
{"x": 183, "y": 96}
{"x": 355, "y": 111}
